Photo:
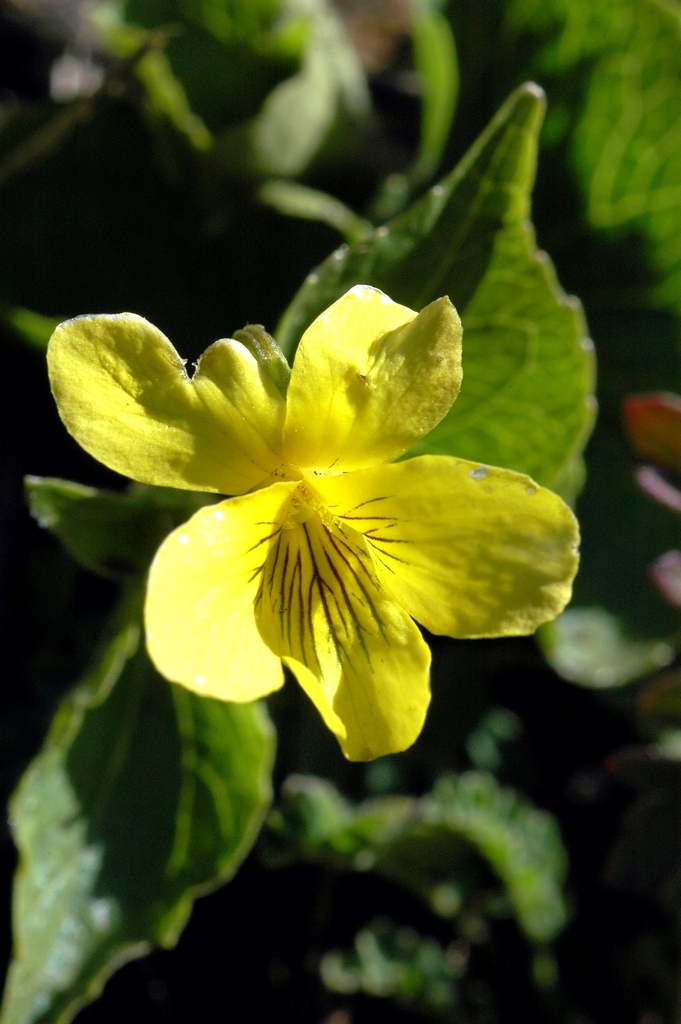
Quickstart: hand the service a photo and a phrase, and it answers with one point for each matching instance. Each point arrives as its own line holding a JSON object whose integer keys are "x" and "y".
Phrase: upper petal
{"x": 369, "y": 379}
{"x": 199, "y": 613}
{"x": 123, "y": 393}
{"x": 468, "y": 550}
{"x": 356, "y": 653}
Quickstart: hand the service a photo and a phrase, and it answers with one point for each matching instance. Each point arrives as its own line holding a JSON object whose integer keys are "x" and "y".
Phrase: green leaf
{"x": 526, "y": 402}
{"x": 437, "y": 67}
{"x": 627, "y": 139}
{"x": 223, "y": 59}
{"x": 295, "y": 200}
{"x": 436, "y": 62}
{"x": 298, "y": 114}
{"x": 167, "y": 96}
{"x": 143, "y": 797}
{"x": 32, "y": 327}
{"x": 588, "y": 646}
{"x": 423, "y": 843}
{"x": 253, "y": 23}
{"x": 122, "y": 40}
{"x": 396, "y": 962}
{"x": 115, "y": 535}
{"x": 165, "y": 91}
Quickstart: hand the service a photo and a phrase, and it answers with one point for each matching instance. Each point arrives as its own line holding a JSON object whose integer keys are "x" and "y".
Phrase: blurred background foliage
{"x": 208, "y": 163}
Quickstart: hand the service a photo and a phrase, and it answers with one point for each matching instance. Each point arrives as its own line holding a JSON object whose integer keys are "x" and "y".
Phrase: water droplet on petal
{"x": 479, "y": 473}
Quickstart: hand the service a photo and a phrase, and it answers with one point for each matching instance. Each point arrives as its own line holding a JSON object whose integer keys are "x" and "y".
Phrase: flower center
{"x": 287, "y": 471}
{"x": 302, "y": 504}
{"x": 319, "y": 599}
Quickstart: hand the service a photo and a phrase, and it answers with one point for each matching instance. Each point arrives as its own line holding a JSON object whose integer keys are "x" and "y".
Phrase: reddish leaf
{"x": 653, "y": 423}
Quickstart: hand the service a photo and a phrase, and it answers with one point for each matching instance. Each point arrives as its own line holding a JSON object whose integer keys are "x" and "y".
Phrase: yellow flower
{"x": 329, "y": 553}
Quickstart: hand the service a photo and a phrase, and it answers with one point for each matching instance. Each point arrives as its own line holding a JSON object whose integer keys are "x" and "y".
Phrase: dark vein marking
{"x": 370, "y": 501}
{"x": 359, "y": 554}
{"x": 255, "y": 572}
{"x": 274, "y": 563}
{"x": 339, "y": 608}
{"x": 333, "y": 632}
{"x": 367, "y": 595}
{"x": 320, "y": 582}
{"x": 309, "y": 601}
{"x": 387, "y": 567}
{"x": 263, "y": 540}
{"x": 389, "y": 554}
{"x": 297, "y": 571}
{"x": 282, "y": 595}
{"x": 367, "y": 519}
{"x": 353, "y": 614}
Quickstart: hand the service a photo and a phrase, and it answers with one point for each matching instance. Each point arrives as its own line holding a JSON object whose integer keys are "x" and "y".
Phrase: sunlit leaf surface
{"x": 627, "y": 141}
{"x": 143, "y": 797}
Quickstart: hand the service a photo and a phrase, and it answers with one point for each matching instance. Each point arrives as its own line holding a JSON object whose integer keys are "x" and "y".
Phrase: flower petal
{"x": 373, "y": 378}
{"x": 469, "y": 551}
{"x": 359, "y": 657}
{"x": 123, "y": 393}
{"x": 200, "y": 623}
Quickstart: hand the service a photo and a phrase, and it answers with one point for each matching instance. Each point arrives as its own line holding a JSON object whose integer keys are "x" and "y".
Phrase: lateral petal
{"x": 123, "y": 393}
{"x": 369, "y": 379}
{"x": 356, "y": 653}
{"x": 199, "y": 613}
{"x": 468, "y": 550}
